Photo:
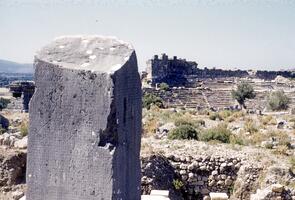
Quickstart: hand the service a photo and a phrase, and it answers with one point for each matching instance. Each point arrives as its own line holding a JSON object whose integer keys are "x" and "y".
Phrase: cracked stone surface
{"x": 85, "y": 121}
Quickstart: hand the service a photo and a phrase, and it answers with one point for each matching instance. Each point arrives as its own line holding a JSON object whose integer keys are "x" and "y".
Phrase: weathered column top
{"x": 90, "y": 53}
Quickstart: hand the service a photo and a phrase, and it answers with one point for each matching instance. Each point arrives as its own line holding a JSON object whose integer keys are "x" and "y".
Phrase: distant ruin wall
{"x": 85, "y": 121}
{"x": 270, "y": 75}
{"x": 179, "y": 72}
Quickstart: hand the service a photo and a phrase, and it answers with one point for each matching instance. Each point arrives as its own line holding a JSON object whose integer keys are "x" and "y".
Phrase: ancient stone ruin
{"x": 172, "y": 71}
{"x": 180, "y": 72}
{"x": 85, "y": 121}
{"x": 24, "y": 90}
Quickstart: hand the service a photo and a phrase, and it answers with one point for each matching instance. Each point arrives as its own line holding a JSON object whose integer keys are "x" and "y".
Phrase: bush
{"x": 278, "y": 101}
{"x": 224, "y": 114}
{"x": 236, "y": 140}
{"x": 150, "y": 127}
{"x": 2, "y": 130}
{"x": 188, "y": 121}
{"x": 214, "y": 116}
{"x": 183, "y": 132}
{"x": 281, "y": 137}
{"x": 183, "y": 121}
{"x": 268, "y": 120}
{"x": 178, "y": 184}
{"x": 250, "y": 126}
{"x": 244, "y": 91}
{"x": 164, "y": 86}
{"x": 150, "y": 99}
{"x": 24, "y": 129}
{"x": 218, "y": 133}
{"x": 3, "y": 103}
{"x": 201, "y": 122}
{"x": 234, "y": 116}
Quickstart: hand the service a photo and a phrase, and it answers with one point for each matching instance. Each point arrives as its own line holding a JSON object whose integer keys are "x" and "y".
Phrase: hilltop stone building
{"x": 171, "y": 71}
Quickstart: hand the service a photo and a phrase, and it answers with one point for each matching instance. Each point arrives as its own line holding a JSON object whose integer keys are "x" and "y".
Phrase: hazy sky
{"x": 215, "y": 33}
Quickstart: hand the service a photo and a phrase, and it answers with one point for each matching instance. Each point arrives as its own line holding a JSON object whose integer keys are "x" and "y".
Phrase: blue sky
{"x": 257, "y": 34}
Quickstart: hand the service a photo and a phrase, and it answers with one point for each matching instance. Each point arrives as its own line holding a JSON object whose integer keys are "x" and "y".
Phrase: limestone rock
{"x": 218, "y": 196}
{"x": 163, "y": 131}
{"x": 206, "y": 198}
{"x": 23, "y": 198}
{"x": 85, "y": 121}
{"x": 277, "y": 188}
{"x": 17, "y": 195}
{"x": 21, "y": 144}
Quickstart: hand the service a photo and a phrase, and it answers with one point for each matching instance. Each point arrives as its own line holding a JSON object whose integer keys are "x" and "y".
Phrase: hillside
{"x": 13, "y": 67}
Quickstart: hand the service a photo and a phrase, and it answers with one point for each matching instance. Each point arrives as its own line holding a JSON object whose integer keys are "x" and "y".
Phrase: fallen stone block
{"x": 164, "y": 193}
{"x": 218, "y": 196}
{"x": 153, "y": 197}
{"x": 22, "y": 143}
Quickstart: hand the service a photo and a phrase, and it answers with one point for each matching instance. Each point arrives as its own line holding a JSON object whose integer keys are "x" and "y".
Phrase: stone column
{"x": 85, "y": 121}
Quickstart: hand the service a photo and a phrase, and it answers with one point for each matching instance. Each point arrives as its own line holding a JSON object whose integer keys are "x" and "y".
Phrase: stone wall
{"x": 12, "y": 168}
{"x": 190, "y": 177}
{"x": 270, "y": 75}
{"x": 179, "y": 72}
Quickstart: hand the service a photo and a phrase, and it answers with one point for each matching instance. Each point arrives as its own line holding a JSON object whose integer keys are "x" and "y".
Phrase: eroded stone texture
{"x": 85, "y": 121}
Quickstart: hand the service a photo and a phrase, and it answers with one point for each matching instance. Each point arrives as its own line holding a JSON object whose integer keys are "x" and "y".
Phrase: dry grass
{"x": 268, "y": 120}
{"x": 250, "y": 126}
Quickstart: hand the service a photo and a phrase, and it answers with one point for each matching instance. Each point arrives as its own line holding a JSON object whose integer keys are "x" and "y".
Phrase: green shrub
{"x": 3, "y": 103}
{"x": 201, "y": 122}
{"x": 178, "y": 184}
{"x": 183, "y": 121}
{"x": 2, "y": 130}
{"x": 225, "y": 114}
{"x": 214, "y": 116}
{"x": 24, "y": 129}
{"x": 183, "y": 132}
{"x": 236, "y": 140}
{"x": 277, "y": 100}
{"x": 150, "y": 99}
{"x": 164, "y": 86}
{"x": 188, "y": 121}
{"x": 218, "y": 133}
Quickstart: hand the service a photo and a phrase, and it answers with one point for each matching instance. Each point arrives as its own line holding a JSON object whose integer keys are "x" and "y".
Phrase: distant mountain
{"x": 13, "y": 67}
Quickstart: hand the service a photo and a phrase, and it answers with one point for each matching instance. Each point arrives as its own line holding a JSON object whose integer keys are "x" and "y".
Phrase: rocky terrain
{"x": 244, "y": 154}
{"x": 256, "y": 163}
{"x": 189, "y": 169}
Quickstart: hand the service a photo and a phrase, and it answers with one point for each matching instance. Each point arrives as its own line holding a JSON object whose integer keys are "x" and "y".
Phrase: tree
{"x": 278, "y": 100}
{"x": 244, "y": 91}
